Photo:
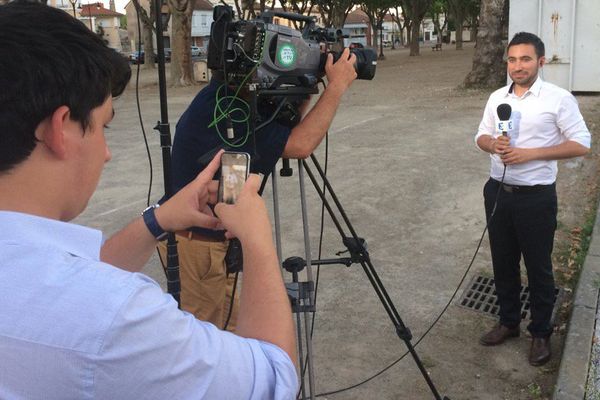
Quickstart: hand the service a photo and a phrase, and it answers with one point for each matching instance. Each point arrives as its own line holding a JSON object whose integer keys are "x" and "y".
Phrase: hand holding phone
{"x": 234, "y": 172}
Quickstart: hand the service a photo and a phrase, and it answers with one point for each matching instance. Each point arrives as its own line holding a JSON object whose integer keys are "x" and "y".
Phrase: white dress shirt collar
{"x": 534, "y": 89}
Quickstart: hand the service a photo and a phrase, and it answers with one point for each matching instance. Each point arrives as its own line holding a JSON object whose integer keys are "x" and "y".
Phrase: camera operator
{"x": 206, "y": 287}
{"x": 74, "y": 326}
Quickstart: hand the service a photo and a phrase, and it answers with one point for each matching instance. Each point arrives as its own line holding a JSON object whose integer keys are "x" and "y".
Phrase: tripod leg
{"x": 300, "y": 354}
{"x": 276, "y": 216}
{"x": 401, "y": 329}
{"x": 307, "y": 250}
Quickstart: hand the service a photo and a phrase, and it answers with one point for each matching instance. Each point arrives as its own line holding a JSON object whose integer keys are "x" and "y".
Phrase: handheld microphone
{"x": 504, "y": 111}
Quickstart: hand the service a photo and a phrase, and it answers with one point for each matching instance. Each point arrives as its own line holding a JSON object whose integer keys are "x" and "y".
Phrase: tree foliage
{"x": 250, "y": 9}
{"x": 401, "y": 22}
{"x": 437, "y": 8}
{"x": 304, "y": 7}
{"x": 334, "y": 12}
{"x": 376, "y": 11}
{"x": 462, "y": 11}
{"x": 415, "y": 10}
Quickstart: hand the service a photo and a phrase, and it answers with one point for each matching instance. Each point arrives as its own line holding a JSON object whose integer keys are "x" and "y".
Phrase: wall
{"x": 570, "y": 30}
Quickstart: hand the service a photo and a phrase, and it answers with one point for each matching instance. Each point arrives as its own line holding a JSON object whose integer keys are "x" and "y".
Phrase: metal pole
{"x": 381, "y": 56}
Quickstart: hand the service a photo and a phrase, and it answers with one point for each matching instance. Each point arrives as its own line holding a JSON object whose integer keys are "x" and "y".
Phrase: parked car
{"x": 196, "y": 51}
{"x": 137, "y": 57}
{"x": 356, "y": 45}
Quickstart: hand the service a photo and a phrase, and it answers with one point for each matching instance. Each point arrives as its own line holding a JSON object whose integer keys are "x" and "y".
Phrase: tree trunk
{"x": 473, "y": 32}
{"x": 414, "y": 38}
{"x": 374, "y": 36}
{"x": 459, "y": 35}
{"x": 147, "y": 32}
{"x": 146, "y": 17}
{"x": 338, "y": 16}
{"x": 489, "y": 70}
{"x": 181, "y": 42}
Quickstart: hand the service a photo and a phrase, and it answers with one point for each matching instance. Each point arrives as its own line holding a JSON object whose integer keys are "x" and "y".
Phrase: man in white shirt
{"x": 77, "y": 321}
{"x": 545, "y": 126}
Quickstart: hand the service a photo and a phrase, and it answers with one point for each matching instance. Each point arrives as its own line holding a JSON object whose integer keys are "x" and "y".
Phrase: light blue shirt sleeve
{"x": 156, "y": 351}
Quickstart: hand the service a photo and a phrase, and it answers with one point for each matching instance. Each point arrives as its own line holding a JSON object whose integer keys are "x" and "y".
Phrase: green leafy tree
{"x": 398, "y": 18}
{"x": 250, "y": 9}
{"x": 376, "y": 11}
{"x": 439, "y": 8}
{"x": 472, "y": 16}
{"x": 415, "y": 11}
{"x": 462, "y": 11}
{"x": 304, "y": 7}
{"x": 334, "y": 12}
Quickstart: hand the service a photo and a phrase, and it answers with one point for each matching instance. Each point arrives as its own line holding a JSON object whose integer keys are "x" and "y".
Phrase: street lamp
{"x": 380, "y": 27}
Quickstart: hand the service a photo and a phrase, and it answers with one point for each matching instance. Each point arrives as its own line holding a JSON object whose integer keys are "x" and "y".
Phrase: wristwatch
{"x": 152, "y": 224}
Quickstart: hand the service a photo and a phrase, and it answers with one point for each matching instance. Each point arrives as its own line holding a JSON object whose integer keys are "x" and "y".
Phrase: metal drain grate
{"x": 480, "y": 295}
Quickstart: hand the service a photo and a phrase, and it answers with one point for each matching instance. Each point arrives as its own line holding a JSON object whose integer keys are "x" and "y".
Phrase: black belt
{"x": 523, "y": 189}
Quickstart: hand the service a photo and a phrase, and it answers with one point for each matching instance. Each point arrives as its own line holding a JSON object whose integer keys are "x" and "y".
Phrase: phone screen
{"x": 234, "y": 171}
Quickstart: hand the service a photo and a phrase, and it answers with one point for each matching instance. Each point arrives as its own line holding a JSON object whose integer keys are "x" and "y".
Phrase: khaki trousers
{"x": 206, "y": 288}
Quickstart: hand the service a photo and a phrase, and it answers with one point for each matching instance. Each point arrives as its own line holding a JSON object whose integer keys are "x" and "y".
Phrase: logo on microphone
{"x": 505, "y": 126}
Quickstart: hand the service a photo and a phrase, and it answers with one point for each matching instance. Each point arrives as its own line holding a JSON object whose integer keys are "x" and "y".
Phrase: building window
{"x": 203, "y": 20}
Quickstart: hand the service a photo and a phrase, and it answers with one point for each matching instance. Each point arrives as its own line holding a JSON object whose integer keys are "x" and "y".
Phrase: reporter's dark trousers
{"x": 523, "y": 224}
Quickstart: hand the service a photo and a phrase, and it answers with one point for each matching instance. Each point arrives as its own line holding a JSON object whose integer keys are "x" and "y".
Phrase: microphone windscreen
{"x": 504, "y": 110}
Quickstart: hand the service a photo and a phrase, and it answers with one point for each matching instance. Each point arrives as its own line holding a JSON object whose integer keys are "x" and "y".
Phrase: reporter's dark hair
{"x": 528, "y": 38}
{"x": 49, "y": 59}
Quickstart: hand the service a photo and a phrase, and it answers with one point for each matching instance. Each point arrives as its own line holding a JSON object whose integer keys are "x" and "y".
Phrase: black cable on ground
{"x": 435, "y": 321}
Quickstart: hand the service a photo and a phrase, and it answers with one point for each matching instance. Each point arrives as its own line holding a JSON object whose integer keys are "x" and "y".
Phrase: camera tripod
{"x": 302, "y": 293}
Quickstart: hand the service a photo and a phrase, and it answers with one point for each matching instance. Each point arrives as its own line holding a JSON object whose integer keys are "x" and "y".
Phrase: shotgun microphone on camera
{"x": 504, "y": 111}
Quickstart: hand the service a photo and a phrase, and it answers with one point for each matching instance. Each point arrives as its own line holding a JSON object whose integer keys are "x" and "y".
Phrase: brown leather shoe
{"x": 498, "y": 335}
{"x": 540, "y": 351}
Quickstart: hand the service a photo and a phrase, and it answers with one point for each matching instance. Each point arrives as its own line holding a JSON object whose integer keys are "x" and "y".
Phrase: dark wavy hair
{"x": 528, "y": 38}
{"x": 49, "y": 59}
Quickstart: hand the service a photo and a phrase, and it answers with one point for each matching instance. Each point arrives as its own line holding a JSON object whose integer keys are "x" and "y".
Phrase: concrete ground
{"x": 403, "y": 163}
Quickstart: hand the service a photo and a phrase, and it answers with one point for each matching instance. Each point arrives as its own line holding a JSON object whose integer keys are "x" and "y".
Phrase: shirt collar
{"x": 38, "y": 231}
{"x": 534, "y": 89}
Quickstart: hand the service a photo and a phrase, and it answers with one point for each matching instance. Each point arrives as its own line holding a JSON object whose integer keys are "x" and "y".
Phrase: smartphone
{"x": 234, "y": 172}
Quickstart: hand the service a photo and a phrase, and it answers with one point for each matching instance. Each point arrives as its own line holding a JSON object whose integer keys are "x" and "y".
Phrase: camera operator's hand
{"x": 341, "y": 73}
{"x": 307, "y": 135}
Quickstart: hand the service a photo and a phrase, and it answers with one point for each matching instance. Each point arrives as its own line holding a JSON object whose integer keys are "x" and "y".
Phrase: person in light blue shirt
{"x": 77, "y": 320}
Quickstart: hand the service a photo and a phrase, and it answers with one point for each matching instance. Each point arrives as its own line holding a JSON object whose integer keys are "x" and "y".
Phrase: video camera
{"x": 275, "y": 56}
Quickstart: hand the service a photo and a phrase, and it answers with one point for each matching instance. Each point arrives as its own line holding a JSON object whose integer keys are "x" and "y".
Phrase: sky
{"x": 119, "y": 5}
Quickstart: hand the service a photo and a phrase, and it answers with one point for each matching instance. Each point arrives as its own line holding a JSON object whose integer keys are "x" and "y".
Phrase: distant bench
{"x": 436, "y": 47}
